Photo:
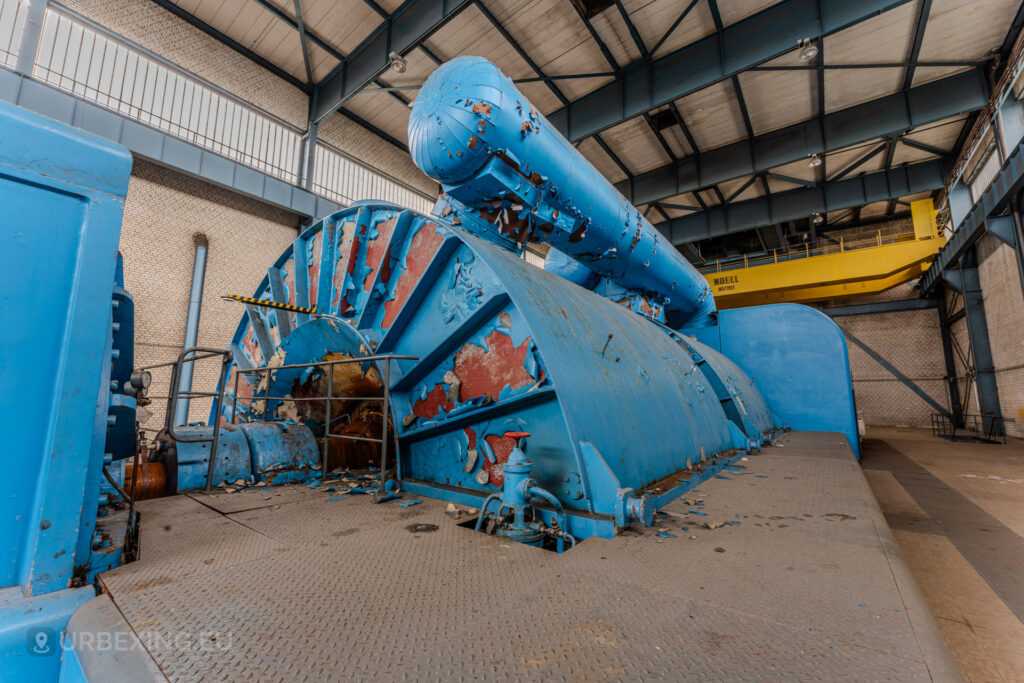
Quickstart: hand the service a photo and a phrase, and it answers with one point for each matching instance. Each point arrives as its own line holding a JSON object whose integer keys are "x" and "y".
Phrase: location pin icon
{"x": 41, "y": 645}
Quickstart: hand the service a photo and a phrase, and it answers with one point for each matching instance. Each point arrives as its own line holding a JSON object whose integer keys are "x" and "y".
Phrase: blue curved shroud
{"x": 798, "y": 358}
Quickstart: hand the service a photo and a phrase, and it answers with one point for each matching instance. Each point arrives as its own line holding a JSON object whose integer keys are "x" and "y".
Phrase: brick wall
{"x": 1004, "y": 313}
{"x": 164, "y": 209}
{"x": 910, "y": 342}
{"x": 349, "y": 136}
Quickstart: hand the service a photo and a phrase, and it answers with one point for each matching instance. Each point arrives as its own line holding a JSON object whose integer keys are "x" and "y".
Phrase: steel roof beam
{"x": 409, "y": 25}
{"x": 890, "y": 115}
{"x": 800, "y": 203}
{"x": 232, "y": 43}
{"x": 649, "y": 83}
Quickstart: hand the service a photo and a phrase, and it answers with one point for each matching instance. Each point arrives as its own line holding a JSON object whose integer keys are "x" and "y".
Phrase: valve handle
{"x": 516, "y": 435}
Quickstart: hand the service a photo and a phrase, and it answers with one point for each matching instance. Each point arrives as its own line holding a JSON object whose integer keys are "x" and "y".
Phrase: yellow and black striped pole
{"x": 266, "y": 303}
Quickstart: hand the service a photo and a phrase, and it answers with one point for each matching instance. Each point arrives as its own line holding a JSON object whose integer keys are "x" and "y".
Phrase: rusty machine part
{"x": 615, "y": 400}
{"x": 150, "y": 482}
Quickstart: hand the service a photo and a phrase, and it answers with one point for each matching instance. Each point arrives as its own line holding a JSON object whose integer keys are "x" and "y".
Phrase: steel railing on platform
{"x": 879, "y": 239}
{"x": 12, "y": 22}
{"x": 86, "y": 60}
{"x": 329, "y": 400}
{"x": 985, "y": 428}
{"x": 92, "y": 62}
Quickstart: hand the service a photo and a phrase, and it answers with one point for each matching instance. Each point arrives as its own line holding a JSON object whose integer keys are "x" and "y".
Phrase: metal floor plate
{"x": 809, "y": 586}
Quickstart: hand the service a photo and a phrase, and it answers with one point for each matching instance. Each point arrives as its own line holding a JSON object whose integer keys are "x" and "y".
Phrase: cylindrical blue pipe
{"x": 468, "y": 113}
{"x": 195, "y": 304}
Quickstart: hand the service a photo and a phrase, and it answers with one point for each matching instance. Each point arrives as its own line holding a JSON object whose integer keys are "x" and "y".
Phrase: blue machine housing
{"x": 614, "y": 402}
{"x": 62, "y": 193}
{"x": 509, "y": 175}
{"x": 621, "y": 409}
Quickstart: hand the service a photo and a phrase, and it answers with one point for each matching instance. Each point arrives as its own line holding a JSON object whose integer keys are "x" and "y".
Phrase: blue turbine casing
{"x": 614, "y": 402}
{"x": 476, "y": 134}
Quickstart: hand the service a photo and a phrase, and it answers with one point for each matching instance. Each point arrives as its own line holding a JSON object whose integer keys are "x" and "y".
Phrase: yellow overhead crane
{"x": 854, "y": 268}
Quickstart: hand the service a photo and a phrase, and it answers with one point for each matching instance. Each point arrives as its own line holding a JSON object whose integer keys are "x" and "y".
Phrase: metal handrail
{"x": 172, "y": 402}
{"x": 795, "y": 253}
{"x": 328, "y": 420}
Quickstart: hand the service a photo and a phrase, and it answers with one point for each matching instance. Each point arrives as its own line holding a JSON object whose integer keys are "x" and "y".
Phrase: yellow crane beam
{"x": 851, "y": 270}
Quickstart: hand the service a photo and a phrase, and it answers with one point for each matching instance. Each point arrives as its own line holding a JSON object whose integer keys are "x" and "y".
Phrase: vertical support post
{"x": 327, "y": 419}
{"x": 1018, "y": 235}
{"x": 225, "y": 363}
{"x": 977, "y": 326}
{"x": 29, "y": 44}
{"x": 384, "y": 423}
{"x": 195, "y": 304}
{"x": 953, "y": 388}
{"x": 234, "y": 401}
{"x": 308, "y": 156}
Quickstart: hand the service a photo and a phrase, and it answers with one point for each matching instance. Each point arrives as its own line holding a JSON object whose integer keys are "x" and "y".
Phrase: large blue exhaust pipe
{"x": 492, "y": 151}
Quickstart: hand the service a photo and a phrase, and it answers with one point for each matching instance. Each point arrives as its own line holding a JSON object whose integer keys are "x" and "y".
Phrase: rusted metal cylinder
{"x": 494, "y": 153}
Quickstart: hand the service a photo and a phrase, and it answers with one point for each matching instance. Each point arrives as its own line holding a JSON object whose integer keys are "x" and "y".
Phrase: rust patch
{"x": 636, "y": 237}
{"x": 481, "y": 126}
{"x": 482, "y": 108}
{"x": 424, "y": 246}
{"x": 485, "y": 373}
{"x": 505, "y": 319}
{"x": 527, "y": 127}
{"x": 578, "y": 233}
{"x": 502, "y": 447}
{"x": 249, "y": 344}
{"x": 378, "y": 253}
{"x": 473, "y": 141}
{"x": 435, "y": 401}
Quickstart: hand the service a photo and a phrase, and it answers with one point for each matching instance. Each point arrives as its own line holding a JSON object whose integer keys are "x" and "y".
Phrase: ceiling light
{"x": 814, "y": 161}
{"x": 817, "y": 219}
{"x": 808, "y": 50}
{"x": 398, "y": 63}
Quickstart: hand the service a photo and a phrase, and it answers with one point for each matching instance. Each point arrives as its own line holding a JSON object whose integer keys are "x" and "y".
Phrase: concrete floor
{"x": 798, "y": 580}
{"x": 957, "y": 513}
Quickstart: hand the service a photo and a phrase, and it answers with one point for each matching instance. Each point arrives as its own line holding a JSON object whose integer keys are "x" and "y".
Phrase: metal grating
{"x": 357, "y": 590}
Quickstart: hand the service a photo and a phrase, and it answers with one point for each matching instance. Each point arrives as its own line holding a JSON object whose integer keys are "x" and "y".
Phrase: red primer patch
{"x": 378, "y": 252}
{"x": 485, "y": 373}
{"x": 249, "y": 344}
{"x": 425, "y": 244}
{"x": 502, "y": 447}
{"x": 341, "y": 304}
{"x": 428, "y": 407}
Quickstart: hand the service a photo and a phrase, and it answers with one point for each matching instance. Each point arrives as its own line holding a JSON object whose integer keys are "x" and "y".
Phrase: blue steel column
{"x": 30, "y": 37}
{"x": 977, "y": 327}
{"x": 955, "y": 404}
{"x": 195, "y": 303}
